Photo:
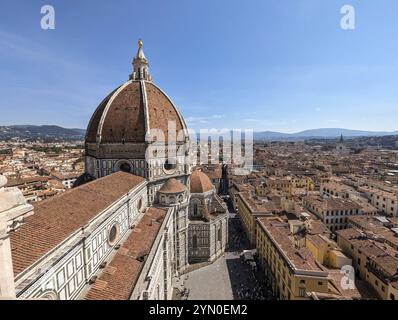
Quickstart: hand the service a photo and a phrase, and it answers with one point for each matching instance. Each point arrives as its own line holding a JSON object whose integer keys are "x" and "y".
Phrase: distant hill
{"x": 57, "y": 132}
{"x": 328, "y": 133}
{"x": 46, "y": 131}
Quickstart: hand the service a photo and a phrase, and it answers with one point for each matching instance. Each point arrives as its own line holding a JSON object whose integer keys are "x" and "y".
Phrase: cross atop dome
{"x": 140, "y": 65}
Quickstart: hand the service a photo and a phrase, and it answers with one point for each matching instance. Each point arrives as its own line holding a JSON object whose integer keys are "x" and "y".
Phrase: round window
{"x": 113, "y": 235}
{"x": 125, "y": 167}
{"x": 169, "y": 166}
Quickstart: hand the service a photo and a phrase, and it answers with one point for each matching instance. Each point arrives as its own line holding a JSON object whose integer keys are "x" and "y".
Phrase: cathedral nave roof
{"x": 119, "y": 278}
{"x": 55, "y": 219}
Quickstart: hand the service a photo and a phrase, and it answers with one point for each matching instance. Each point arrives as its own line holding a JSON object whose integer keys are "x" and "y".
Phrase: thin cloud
{"x": 203, "y": 120}
{"x": 23, "y": 48}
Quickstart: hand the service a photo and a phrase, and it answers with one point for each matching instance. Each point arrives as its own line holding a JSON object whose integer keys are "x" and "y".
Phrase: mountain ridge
{"x": 43, "y": 131}
{"x": 322, "y": 133}
{"x": 54, "y": 131}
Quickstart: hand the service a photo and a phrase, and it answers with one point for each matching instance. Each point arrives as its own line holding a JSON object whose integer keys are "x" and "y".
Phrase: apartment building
{"x": 31, "y": 187}
{"x": 293, "y": 269}
{"x": 384, "y": 229}
{"x": 289, "y": 184}
{"x": 384, "y": 201}
{"x": 249, "y": 208}
{"x": 67, "y": 179}
{"x": 332, "y": 211}
{"x": 374, "y": 260}
{"x": 338, "y": 190}
{"x": 236, "y": 188}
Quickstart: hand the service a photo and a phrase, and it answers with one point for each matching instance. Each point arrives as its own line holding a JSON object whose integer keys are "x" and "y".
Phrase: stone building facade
{"x": 208, "y": 227}
{"x": 128, "y": 229}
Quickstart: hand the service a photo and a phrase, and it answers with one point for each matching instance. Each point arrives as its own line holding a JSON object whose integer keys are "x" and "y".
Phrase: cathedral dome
{"x": 200, "y": 182}
{"x": 123, "y": 132}
{"x": 133, "y": 109}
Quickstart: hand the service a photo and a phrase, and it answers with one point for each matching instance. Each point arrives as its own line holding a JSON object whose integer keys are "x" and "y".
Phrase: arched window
{"x": 195, "y": 209}
{"x": 125, "y": 167}
{"x": 140, "y": 205}
{"x": 194, "y": 241}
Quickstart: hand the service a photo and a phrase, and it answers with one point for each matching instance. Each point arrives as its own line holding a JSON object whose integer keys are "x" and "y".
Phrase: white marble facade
{"x": 156, "y": 279}
{"x": 65, "y": 271}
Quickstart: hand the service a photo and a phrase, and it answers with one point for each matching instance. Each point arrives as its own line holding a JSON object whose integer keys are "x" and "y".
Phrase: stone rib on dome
{"x": 200, "y": 182}
{"x": 160, "y": 109}
{"x": 91, "y": 134}
{"x": 172, "y": 186}
{"x": 124, "y": 115}
{"x": 123, "y": 118}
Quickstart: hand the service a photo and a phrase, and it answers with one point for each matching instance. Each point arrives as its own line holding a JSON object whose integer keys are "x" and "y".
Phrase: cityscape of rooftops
{"x": 220, "y": 151}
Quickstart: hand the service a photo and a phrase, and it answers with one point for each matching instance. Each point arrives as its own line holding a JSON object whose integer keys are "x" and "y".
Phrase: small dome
{"x": 173, "y": 186}
{"x": 200, "y": 182}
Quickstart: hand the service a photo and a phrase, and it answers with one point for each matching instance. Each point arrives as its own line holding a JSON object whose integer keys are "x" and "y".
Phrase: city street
{"x": 230, "y": 277}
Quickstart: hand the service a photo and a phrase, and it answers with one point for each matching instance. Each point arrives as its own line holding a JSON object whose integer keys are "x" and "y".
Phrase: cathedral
{"x": 134, "y": 222}
{"x": 341, "y": 147}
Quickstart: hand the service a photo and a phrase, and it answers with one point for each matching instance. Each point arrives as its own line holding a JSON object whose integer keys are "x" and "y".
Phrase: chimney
{"x": 13, "y": 210}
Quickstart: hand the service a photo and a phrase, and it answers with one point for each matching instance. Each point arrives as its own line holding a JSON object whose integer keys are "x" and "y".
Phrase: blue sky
{"x": 281, "y": 65}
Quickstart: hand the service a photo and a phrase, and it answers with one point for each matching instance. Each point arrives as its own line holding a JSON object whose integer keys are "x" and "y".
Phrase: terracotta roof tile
{"x": 91, "y": 134}
{"x": 173, "y": 186}
{"x": 54, "y": 220}
{"x": 161, "y": 110}
{"x": 200, "y": 182}
{"x": 122, "y": 273}
{"x": 22, "y": 181}
{"x": 125, "y": 118}
{"x": 280, "y": 232}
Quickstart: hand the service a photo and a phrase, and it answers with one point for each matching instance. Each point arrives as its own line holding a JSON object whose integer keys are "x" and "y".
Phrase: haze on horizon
{"x": 283, "y": 66}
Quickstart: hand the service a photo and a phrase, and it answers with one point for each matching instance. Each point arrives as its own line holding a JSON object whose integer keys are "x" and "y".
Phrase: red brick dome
{"x": 131, "y": 110}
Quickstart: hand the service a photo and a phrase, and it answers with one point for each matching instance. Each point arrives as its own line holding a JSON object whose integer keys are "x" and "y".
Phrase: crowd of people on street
{"x": 246, "y": 281}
